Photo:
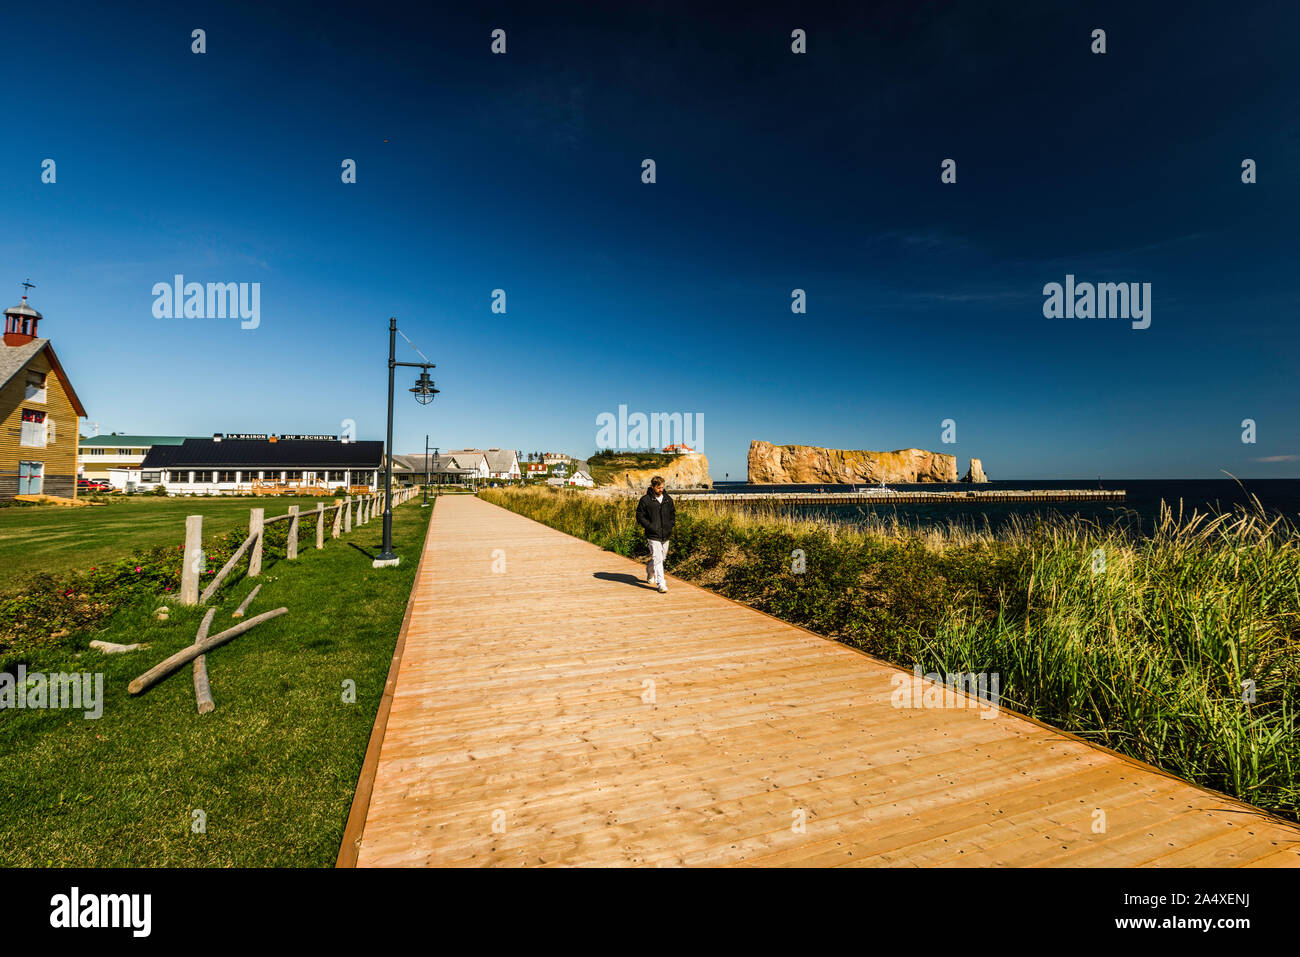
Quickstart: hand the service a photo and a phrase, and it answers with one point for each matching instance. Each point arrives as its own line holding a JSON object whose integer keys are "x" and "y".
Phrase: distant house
{"x": 39, "y": 409}
{"x": 503, "y": 464}
{"x": 535, "y": 469}
{"x": 442, "y": 470}
{"x": 678, "y": 449}
{"x": 581, "y": 479}
{"x": 473, "y": 460}
{"x": 556, "y": 458}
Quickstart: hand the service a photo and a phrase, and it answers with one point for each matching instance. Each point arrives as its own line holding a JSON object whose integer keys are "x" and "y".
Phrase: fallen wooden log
{"x": 225, "y": 569}
{"x": 113, "y": 648}
{"x": 186, "y": 655}
{"x": 202, "y": 690}
{"x": 239, "y": 612}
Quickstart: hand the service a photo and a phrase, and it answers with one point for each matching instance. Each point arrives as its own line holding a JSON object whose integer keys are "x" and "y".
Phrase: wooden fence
{"x": 343, "y": 514}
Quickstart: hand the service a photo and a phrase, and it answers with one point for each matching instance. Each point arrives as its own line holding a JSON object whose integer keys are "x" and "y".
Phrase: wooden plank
{"x": 517, "y": 732}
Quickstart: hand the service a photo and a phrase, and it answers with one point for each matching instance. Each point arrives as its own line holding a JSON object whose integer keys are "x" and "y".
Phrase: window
{"x": 93, "y": 450}
{"x": 226, "y": 476}
{"x": 292, "y": 476}
{"x": 33, "y": 430}
{"x": 35, "y": 386}
{"x": 150, "y": 478}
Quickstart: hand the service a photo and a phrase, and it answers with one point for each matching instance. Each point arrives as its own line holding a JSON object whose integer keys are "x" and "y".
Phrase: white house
{"x": 581, "y": 479}
{"x": 503, "y": 464}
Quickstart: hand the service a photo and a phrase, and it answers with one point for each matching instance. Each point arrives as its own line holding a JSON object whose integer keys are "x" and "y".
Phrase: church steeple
{"x": 21, "y": 320}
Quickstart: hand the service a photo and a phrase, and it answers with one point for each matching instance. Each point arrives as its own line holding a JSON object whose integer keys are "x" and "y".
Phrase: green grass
{"x": 274, "y": 767}
{"x": 51, "y": 538}
{"x": 606, "y": 466}
{"x": 1147, "y": 655}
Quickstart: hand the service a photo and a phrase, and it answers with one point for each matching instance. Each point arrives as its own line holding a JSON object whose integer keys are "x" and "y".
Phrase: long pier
{"x": 874, "y": 496}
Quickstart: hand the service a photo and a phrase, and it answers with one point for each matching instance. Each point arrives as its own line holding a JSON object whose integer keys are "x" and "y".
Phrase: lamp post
{"x": 424, "y": 392}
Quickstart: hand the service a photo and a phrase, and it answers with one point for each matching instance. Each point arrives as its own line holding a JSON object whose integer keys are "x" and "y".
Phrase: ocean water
{"x": 1139, "y": 512}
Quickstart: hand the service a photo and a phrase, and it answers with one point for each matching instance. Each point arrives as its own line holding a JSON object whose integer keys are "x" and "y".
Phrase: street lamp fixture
{"x": 423, "y": 388}
{"x": 424, "y": 392}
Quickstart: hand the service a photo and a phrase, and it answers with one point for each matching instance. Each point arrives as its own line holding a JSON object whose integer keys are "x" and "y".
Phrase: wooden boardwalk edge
{"x": 355, "y": 828}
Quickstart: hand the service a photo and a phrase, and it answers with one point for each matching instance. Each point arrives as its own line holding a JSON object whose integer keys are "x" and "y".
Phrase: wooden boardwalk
{"x": 551, "y": 710}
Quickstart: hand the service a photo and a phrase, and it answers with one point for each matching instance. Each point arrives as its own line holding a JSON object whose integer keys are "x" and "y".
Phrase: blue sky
{"x": 775, "y": 171}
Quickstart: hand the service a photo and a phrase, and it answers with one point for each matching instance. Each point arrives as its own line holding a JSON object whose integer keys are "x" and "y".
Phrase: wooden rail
{"x": 365, "y": 507}
{"x": 891, "y": 497}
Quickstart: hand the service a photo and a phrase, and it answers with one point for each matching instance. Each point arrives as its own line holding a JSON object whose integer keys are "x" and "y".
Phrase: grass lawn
{"x": 51, "y": 538}
{"x": 273, "y": 768}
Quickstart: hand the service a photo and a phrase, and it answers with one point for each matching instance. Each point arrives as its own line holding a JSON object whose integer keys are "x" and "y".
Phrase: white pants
{"x": 655, "y": 566}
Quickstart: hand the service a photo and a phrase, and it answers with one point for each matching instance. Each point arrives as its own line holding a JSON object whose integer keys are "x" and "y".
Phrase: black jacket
{"x": 656, "y": 518}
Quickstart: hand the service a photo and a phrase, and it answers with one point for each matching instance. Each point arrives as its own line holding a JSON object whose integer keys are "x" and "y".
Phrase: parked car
{"x": 93, "y": 485}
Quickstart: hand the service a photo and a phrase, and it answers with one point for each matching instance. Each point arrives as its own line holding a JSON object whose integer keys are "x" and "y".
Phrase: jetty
{"x": 545, "y": 707}
{"x": 878, "y": 496}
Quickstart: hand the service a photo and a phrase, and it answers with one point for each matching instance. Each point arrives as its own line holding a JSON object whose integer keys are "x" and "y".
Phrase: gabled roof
{"x": 501, "y": 460}
{"x": 13, "y": 359}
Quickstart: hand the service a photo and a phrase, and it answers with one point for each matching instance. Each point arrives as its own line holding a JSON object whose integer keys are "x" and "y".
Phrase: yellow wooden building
{"x": 39, "y": 412}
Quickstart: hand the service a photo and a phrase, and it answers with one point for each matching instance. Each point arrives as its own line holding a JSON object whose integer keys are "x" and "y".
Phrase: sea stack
{"x": 803, "y": 464}
{"x": 975, "y": 474}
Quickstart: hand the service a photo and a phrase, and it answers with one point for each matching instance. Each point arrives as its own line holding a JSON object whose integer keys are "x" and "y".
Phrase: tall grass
{"x": 1181, "y": 648}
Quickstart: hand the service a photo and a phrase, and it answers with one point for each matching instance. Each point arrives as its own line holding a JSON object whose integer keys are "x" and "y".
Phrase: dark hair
{"x": 657, "y": 480}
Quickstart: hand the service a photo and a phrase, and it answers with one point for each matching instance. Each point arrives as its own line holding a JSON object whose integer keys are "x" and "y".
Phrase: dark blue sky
{"x": 775, "y": 171}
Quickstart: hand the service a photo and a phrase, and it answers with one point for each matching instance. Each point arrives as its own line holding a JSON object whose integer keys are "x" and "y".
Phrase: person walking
{"x": 656, "y": 514}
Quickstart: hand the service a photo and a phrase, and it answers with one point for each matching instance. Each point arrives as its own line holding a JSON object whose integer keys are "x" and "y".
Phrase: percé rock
{"x": 975, "y": 473}
{"x": 801, "y": 464}
{"x": 690, "y": 470}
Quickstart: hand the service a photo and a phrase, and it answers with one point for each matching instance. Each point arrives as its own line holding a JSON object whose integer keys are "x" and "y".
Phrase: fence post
{"x": 320, "y": 524}
{"x": 189, "y": 564}
{"x": 291, "y": 546}
{"x": 256, "y": 523}
{"x": 338, "y": 520}
{"x": 347, "y": 515}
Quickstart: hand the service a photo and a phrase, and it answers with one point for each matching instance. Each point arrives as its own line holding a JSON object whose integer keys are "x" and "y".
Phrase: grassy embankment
{"x": 607, "y": 465}
{"x": 1146, "y": 655}
{"x": 273, "y": 769}
{"x": 51, "y": 538}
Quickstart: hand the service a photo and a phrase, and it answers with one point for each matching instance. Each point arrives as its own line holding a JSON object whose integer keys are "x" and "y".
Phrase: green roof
{"x": 134, "y": 440}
